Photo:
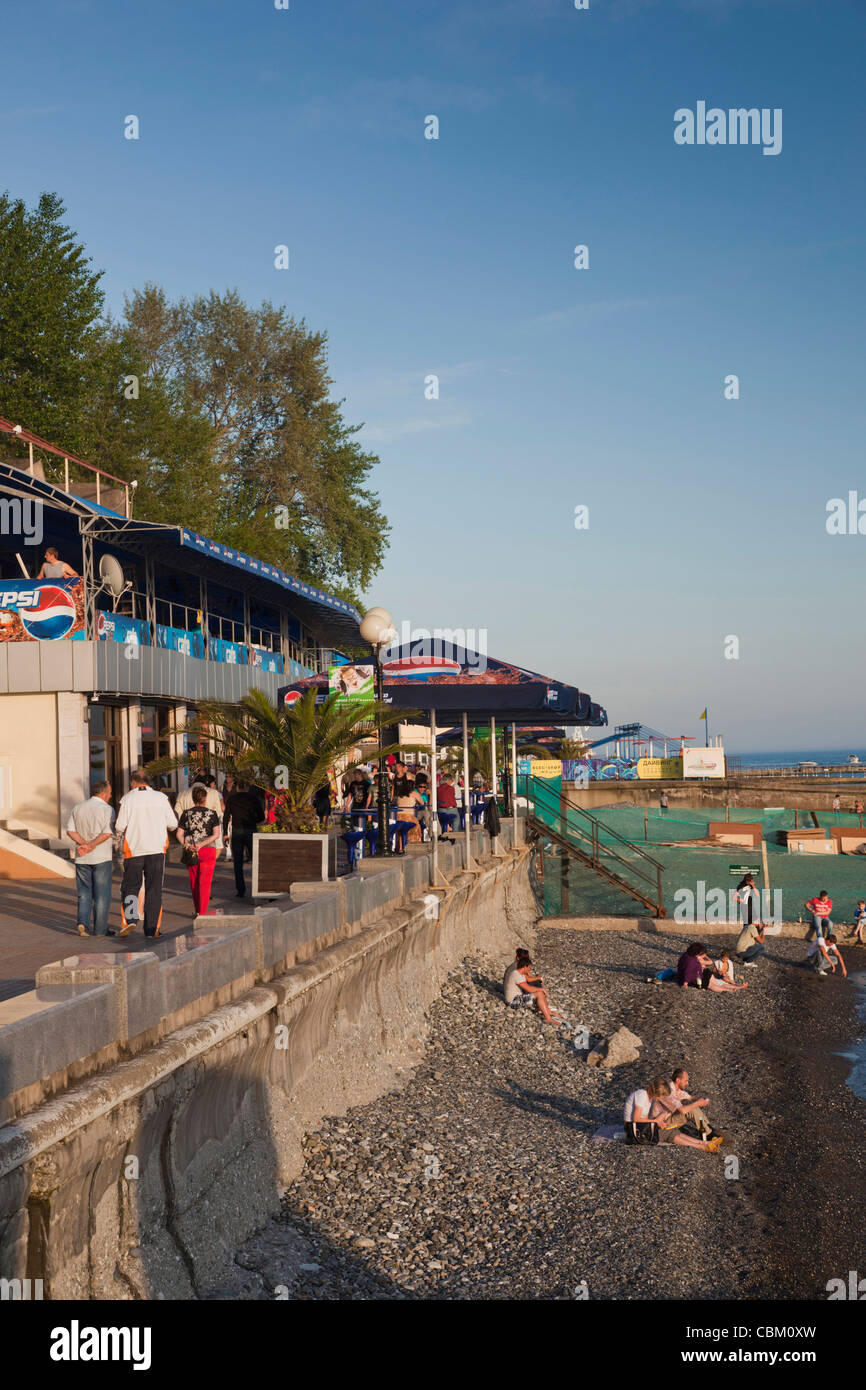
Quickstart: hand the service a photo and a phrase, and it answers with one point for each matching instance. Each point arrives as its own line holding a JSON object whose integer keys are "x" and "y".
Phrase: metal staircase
{"x": 613, "y": 858}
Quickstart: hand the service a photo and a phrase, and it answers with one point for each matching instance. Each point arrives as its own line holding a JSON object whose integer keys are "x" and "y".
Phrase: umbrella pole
{"x": 492, "y": 771}
{"x": 467, "y": 822}
{"x": 434, "y": 798}
{"x": 514, "y": 780}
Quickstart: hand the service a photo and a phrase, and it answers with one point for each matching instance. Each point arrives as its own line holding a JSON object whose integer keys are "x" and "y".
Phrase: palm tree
{"x": 573, "y": 749}
{"x": 479, "y": 755}
{"x": 289, "y": 752}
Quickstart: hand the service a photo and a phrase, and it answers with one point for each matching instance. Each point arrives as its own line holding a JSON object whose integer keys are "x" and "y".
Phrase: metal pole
{"x": 434, "y": 799}
{"x": 493, "y": 770}
{"x": 707, "y": 730}
{"x": 514, "y": 780}
{"x": 383, "y": 848}
{"x": 467, "y": 824}
{"x": 66, "y": 475}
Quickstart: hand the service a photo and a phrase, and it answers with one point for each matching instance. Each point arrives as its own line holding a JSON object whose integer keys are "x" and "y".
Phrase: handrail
{"x": 632, "y": 845}
{"x": 552, "y": 806}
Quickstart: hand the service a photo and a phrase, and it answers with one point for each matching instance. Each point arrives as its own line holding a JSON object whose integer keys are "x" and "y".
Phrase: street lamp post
{"x": 377, "y": 628}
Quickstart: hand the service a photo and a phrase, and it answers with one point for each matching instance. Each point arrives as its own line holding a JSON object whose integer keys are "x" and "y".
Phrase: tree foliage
{"x": 221, "y": 412}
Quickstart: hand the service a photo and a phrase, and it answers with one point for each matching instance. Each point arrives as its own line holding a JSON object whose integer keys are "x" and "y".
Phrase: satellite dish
{"x": 111, "y": 574}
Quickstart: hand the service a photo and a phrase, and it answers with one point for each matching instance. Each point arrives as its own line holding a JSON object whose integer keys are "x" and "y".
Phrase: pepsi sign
{"x": 46, "y": 608}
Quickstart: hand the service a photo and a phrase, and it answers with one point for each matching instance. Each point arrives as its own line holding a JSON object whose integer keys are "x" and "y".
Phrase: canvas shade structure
{"x": 437, "y": 676}
{"x": 460, "y": 681}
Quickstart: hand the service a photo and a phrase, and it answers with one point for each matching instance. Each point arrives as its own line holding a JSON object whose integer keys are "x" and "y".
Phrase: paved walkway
{"x": 38, "y": 921}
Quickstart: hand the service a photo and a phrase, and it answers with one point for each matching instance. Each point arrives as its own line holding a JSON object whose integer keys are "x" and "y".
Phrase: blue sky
{"x": 602, "y": 387}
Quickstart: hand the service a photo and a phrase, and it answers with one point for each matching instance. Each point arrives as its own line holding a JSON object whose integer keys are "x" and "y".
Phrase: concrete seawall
{"x": 133, "y": 1168}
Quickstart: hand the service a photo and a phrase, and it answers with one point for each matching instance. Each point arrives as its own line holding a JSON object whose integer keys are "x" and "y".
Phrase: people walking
{"x": 747, "y": 896}
{"x": 199, "y": 831}
{"x": 244, "y": 812}
{"x": 90, "y": 827}
{"x": 144, "y": 819}
{"x": 214, "y": 802}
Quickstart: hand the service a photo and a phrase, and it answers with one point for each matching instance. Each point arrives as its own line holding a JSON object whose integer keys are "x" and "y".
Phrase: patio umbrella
{"x": 435, "y": 676}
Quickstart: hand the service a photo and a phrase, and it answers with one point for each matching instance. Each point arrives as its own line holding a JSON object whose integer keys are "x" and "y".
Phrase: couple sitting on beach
{"x": 659, "y": 1113}
{"x": 696, "y": 970}
{"x": 522, "y": 987}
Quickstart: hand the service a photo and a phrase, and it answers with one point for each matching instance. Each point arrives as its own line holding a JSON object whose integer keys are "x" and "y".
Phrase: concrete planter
{"x": 279, "y": 860}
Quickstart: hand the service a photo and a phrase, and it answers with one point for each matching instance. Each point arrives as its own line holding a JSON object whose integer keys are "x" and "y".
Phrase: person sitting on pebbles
{"x": 522, "y": 987}
{"x": 695, "y": 970}
{"x": 668, "y": 1125}
{"x": 684, "y": 1106}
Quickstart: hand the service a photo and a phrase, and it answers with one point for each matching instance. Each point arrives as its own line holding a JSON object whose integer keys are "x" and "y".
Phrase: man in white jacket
{"x": 143, "y": 821}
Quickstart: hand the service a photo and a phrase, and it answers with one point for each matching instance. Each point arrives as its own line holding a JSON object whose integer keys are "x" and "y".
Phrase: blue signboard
{"x": 42, "y": 610}
{"x": 266, "y": 661}
{"x": 116, "y": 627}
{"x": 178, "y": 639}
{"x": 233, "y": 653}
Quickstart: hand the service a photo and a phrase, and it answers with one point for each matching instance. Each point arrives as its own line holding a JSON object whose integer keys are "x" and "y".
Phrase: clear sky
{"x": 558, "y": 387}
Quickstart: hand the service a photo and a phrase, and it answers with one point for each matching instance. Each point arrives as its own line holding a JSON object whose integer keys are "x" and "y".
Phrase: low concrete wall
{"x": 794, "y": 793}
{"x": 130, "y": 1170}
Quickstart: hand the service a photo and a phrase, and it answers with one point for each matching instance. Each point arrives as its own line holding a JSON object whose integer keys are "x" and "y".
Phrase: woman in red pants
{"x": 199, "y": 826}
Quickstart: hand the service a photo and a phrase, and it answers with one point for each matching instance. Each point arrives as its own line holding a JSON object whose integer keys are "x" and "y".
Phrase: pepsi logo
{"x": 51, "y": 617}
{"x": 291, "y": 696}
{"x": 421, "y": 668}
{"x": 102, "y": 625}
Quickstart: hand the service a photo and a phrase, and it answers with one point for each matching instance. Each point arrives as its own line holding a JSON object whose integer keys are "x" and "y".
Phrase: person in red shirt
{"x": 446, "y": 804}
{"x": 820, "y": 909}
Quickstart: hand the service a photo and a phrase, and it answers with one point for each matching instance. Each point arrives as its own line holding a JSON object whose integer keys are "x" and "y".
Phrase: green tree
{"x": 50, "y": 303}
{"x": 293, "y": 476}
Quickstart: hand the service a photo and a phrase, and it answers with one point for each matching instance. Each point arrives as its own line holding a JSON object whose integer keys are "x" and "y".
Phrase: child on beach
{"x": 724, "y": 968}
{"x": 856, "y": 932}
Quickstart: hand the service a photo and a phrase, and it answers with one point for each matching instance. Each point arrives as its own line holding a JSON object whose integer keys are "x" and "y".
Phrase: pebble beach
{"x": 479, "y": 1177}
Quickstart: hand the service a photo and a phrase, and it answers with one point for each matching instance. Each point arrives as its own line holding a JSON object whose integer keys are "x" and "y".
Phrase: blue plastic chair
{"x": 353, "y": 839}
{"x": 446, "y": 820}
{"x": 400, "y": 828}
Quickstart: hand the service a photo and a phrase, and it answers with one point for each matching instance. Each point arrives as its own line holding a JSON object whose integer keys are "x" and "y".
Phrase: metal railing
{"x": 596, "y": 842}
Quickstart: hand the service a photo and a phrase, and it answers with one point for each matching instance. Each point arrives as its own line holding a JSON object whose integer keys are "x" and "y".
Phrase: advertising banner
{"x": 659, "y": 767}
{"x": 116, "y": 627}
{"x": 178, "y": 639}
{"x": 232, "y": 653}
{"x": 541, "y": 767}
{"x": 266, "y": 661}
{"x": 42, "y": 610}
{"x": 354, "y": 684}
{"x": 704, "y": 762}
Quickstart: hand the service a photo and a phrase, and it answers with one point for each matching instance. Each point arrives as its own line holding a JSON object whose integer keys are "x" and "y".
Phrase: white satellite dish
{"x": 111, "y": 575}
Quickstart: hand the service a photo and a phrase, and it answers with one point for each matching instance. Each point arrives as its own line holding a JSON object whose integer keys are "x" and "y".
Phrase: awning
{"x": 453, "y": 679}
{"x": 331, "y": 620}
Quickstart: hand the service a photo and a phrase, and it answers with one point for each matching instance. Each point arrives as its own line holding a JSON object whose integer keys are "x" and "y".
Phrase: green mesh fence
{"x": 793, "y": 877}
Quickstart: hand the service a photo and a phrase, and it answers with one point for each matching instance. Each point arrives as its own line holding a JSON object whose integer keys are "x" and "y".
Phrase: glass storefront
{"x": 106, "y": 747}
{"x": 157, "y": 737}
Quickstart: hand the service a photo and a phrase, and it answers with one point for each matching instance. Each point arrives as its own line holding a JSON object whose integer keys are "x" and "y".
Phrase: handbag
{"x": 189, "y": 854}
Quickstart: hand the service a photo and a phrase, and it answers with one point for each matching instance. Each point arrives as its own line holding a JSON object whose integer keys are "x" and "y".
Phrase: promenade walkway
{"x": 38, "y": 921}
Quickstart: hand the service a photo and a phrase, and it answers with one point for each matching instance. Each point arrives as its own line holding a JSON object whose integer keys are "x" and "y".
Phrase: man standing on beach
{"x": 837, "y": 804}
{"x": 663, "y": 801}
{"x": 144, "y": 819}
{"x": 820, "y": 908}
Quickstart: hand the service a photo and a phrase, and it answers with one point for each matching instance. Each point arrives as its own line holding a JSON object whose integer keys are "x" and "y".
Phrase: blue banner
{"x": 233, "y": 653}
{"x": 116, "y": 627}
{"x": 266, "y": 661}
{"x": 178, "y": 639}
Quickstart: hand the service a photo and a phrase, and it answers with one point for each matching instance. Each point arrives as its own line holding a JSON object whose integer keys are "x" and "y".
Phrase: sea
{"x": 789, "y": 757}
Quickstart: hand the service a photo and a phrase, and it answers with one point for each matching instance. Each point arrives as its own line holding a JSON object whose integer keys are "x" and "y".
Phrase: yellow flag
{"x": 703, "y": 716}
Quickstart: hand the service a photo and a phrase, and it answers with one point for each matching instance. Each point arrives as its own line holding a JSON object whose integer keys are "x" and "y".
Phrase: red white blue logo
{"x": 421, "y": 668}
{"x": 52, "y": 617}
{"x": 291, "y": 696}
